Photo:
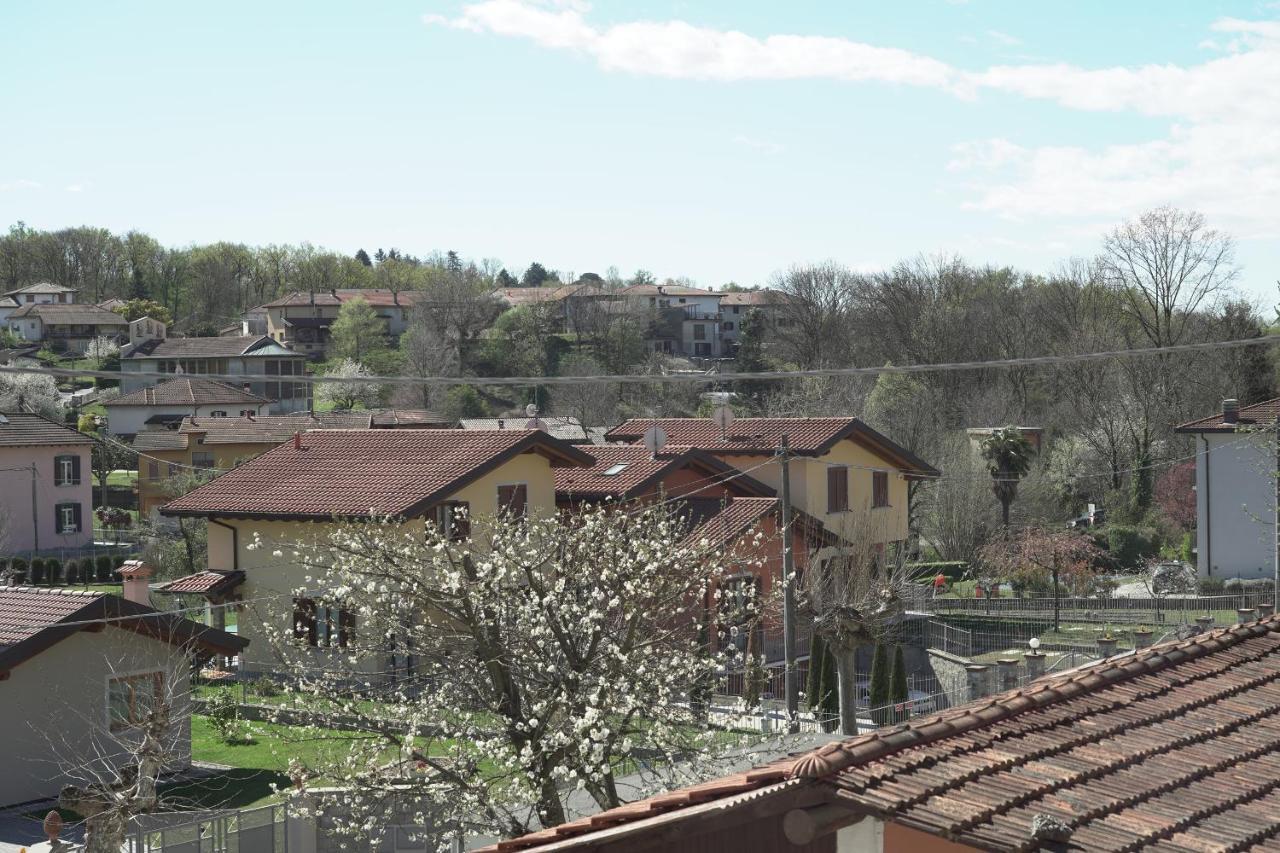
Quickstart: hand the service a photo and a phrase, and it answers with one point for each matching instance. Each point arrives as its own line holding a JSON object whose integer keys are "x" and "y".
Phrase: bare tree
{"x": 814, "y": 329}
{"x": 957, "y": 517}
{"x": 592, "y": 403}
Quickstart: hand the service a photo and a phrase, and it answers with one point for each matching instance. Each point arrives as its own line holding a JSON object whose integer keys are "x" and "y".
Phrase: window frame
{"x": 72, "y": 463}
{"x": 504, "y": 507}
{"x": 323, "y": 625}
{"x": 454, "y": 528}
{"x": 135, "y": 717}
{"x": 77, "y": 519}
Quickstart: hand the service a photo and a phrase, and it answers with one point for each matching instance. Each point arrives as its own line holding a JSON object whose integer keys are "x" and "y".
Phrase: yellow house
{"x": 843, "y": 472}
{"x": 297, "y": 492}
{"x": 219, "y": 444}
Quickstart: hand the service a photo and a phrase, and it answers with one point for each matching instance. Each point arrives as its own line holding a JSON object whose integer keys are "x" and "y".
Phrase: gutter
{"x": 1208, "y": 511}
{"x": 235, "y": 543}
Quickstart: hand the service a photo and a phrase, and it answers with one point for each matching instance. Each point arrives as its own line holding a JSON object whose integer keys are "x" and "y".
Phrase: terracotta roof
{"x": 159, "y": 439}
{"x": 356, "y": 473}
{"x": 567, "y": 428}
{"x": 214, "y": 347}
{"x": 757, "y": 436}
{"x": 20, "y": 429}
{"x": 379, "y": 298}
{"x": 33, "y": 618}
{"x": 753, "y": 297}
{"x": 188, "y": 392}
{"x": 735, "y": 518}
{"x": 1176, "y": 747}
{"x": 204, "y": 583}
{"x": 269, "y": 429}
{"x": 635, "y": 472}
{"x": 392, "y": 418}
{"x": 1265, "y": 412}
{"x": 665, "y": 290}
{"x": 67, "y": 314}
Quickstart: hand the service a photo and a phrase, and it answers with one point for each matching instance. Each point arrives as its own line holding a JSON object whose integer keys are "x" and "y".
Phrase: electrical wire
{"x": 669, "y": 378}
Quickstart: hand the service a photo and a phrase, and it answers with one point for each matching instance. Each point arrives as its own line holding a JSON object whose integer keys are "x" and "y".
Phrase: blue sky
{"x": 717, "y": 140}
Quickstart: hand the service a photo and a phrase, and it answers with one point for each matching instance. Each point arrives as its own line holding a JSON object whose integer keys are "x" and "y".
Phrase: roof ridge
{"x": 842, "y": 754}
{"x": 56, "y": 590}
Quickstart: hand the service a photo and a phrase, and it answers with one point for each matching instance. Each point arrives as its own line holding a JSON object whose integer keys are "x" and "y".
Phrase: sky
{"x": 723, "y": 141}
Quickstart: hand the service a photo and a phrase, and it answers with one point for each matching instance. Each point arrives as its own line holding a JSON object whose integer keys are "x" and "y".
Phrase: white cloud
{"x": 1221, "y": 153}
{"x": 758, "y": 144}
{"x": 20, "y": 184}
{"x": 1004, "y": 38}
{"x": 74, "y": 188}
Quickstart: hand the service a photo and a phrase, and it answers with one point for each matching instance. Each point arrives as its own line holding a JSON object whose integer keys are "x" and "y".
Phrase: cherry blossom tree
{"x": 515, "y": 662}
{"x": 1047, "y": 558}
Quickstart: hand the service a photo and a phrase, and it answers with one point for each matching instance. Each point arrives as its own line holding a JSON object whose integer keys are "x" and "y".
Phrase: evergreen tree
{"x": 452, "y": 262}
{"x": 379, "y": 255}
{"x": 878, "y": 695}
{"x": 506, "y": 279}
{"x": 358, "y": 331}
{"x": 898, "y": 681}
{"x": 363, "y": 257}
{"x": 824, "y": 684}
{"x": 535, "y": 275}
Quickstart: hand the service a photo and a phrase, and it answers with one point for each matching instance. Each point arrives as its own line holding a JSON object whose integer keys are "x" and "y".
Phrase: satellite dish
{"x": 723, "y": 417}
{"x": 536, "y": 423}
{"x": 531, "y": 410}
{"x": 655, "y": 438}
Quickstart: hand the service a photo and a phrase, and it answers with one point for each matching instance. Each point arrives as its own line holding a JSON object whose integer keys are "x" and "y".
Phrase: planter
{"x": 1107, "y": 646}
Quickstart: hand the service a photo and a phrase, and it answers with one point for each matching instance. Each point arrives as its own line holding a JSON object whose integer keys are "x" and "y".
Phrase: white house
{"x": 164, "y": 406}
{"x": 1236, "y": 490}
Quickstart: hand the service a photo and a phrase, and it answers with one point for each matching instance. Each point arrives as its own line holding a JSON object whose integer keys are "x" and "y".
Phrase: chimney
{"x": 978, "y": 682}
{"x": 502, "y": 424}
{"x": 1230, "y": 411}
{"x": 297, "y": 441}
{"x": 1035, "y": 664}
{"x": 1008, "y": 673}
{"x": 134, "y": 574}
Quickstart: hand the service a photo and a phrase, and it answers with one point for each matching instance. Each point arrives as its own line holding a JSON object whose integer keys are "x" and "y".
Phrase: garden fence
{"x": 1148, "y": 610}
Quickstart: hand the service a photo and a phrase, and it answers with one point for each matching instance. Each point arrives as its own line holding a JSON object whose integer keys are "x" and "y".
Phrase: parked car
{"x": 1172, "y": 577}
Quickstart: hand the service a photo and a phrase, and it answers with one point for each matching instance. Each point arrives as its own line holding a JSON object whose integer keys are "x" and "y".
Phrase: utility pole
{"x": 35, "y": 517}
{"x": 789, "y": 593}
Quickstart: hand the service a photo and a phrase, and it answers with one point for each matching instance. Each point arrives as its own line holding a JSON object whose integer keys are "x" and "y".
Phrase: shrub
{"x": 103, "y": 564}
{"x": 53, "y": 571}
{"x": 87, "y": 570}
{"x": 37, "y": 571}
{"x": 1211, "y": 586}
{"x": 1188, "y": 547}
{"x": 71, "y": 574}
{"x": 879, "y": 688}
{"x": 1129, "y": 546}
{"x": 224, "y": 714}
{"x": 264, "y": 686}
{"x": 20, "y": 566}
{"x": 117, "y": 561}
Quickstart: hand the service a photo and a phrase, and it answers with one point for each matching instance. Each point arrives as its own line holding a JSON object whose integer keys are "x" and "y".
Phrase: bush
{"x": 224, "y": 714}
{"x": 117, "y": 561}
{"x": 72, "y": 573}
{"x": 87, "y": 570}
{"x": 20, "y": 567}
{"x": 952, "y": 570}
{"x": 1129, "y": 546}
{"x": 1211, "y": 586}
{"x": 53, "y": 571}
{"x": 264, "y": 686}
{"x": 1188, "y": 548}
{"x": 103, "y": 565}
{"x": 37, "y": 571}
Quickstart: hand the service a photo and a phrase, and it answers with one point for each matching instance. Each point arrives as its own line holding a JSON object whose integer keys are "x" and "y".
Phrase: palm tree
{"x": 1008, "y": 454}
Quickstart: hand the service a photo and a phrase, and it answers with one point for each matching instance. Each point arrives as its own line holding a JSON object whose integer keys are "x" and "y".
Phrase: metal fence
{"x": 1150, "y": 610}
{"x": 949, "y": 638}
{"x": 259, "y": 830}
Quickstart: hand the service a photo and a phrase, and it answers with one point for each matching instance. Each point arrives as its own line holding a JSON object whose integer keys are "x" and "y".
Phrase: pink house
{"x": 46, "y": 498}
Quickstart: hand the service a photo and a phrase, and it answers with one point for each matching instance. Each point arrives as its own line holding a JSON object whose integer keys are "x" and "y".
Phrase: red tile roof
{"x": 20, "y": 429}
{"x": 640, "y": 472}
{"x": 736, "y": 518}
{"x": 204, "y": 583}
{"x": 355, "y": 473}
{"x": 1265, "y": 412}
{"x": 758, "y": 436}
{"x": 753, "y": 297}
{"x": 188, "y": 392}
{"x": 1176, "y": 747}
{"x": 34, "y": 618}
{"x": 376, "y": 297}
{"x": 70, "y": 314}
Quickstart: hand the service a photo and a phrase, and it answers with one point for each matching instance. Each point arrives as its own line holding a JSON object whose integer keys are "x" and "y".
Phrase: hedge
{"x": 952, "y": 570}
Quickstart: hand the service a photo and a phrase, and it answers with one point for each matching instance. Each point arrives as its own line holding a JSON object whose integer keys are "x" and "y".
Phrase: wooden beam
{"x": 803, "y": 826}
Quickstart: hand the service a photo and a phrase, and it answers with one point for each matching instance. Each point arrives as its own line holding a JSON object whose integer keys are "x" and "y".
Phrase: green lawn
{"x": 123, "y": 478}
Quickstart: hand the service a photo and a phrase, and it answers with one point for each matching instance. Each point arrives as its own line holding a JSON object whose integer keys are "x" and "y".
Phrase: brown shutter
{"x": 837, "y": 489}
{"x": 513, "y": 500}
{"x": 461, "y": 529}
{"x": 346, "y": 628}
{"x": 304, "y": 620}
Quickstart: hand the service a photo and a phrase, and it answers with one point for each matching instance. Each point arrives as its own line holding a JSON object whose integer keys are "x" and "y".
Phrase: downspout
{"x": 235, "y": 543}
{"x": 1208, "y": 511}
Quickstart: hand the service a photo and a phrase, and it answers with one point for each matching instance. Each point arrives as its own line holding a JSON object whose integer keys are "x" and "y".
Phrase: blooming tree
{"x": 102, "y": 348}
{"x": 1176, "y": 495}
{"x": 513, "y": 664}
{"x": 349, "y": 393}
{"x": 1046, "y": 558}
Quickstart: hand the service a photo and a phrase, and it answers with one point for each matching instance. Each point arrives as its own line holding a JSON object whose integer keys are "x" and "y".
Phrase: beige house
{"x": 842, "y": 470}
{"x": 261, "y": 511}
{"x": 76, "y": 680}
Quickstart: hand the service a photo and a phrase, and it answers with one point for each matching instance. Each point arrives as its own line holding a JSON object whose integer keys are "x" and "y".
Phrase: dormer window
{"x": 614, "y": 469}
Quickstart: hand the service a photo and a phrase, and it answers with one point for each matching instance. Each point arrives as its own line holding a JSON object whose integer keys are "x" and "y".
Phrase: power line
{"x": 667, "y": 378}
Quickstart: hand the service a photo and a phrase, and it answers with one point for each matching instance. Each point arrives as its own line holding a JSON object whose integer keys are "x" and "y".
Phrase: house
{"x": 687, "y": 320}
{"x": 65, "y": 326}
{"x": 301, "y": 320}
{"x": 267, "y": 367}
{"x": 1174, "y": 747}
{"x": 1236, "y": 454}
{"x": 219, "y": 444}
{"x": 297, "y": 491}
{"x": 842, "y": 472}
{"x": 737, "y": 305}
{"x": 562, "y": 427}
{"x": 78, "y": 671}
{"x": 169, "y": 402}
{"x": 46, "y": 495}
{"x": 569, "y": 304}
{"x": 43, "y": 293}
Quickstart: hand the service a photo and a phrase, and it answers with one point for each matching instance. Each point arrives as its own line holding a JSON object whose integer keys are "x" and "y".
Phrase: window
{"x": 202, "y": 459}
{"x": 153, "y": 470}
{"x": 131, "y": 699}
{"x": 453, "y": 519}
{"x": 247, "y": 413}
{"x": 66, "y": 518}
{"x": 735, "y": 309}
{"x": 66, "y": 470}
{"x": 513, "y": 500}
{"x": 699, "y": 331}
{"x": 728, "y": 327}
{"x": 702, "y": 349}
{"x": 173, "y": 470}
{"x": 740, "y": 605}
{"x": 837, "y": 489}
{"x": 614, "y": 469}
{"x": 218, "y": 413}
{"x": 879, "y": 488}
{"x": 323, "y": 625}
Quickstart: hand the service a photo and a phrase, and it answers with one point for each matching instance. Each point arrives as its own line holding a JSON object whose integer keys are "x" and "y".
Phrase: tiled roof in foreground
{"x": 1174, "y": 748}
{"x": 188, "y": 392}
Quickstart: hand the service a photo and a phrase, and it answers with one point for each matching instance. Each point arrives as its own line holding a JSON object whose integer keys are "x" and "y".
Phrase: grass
{"x": 122, "y": 478}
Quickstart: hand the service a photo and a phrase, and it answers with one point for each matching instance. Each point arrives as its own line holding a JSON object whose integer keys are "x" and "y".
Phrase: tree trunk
{"x": 846, "y": 666}
{"x": 1004, "y": 513}
{"x": 1056, "y": 627}
{"x": 550, "y": 809}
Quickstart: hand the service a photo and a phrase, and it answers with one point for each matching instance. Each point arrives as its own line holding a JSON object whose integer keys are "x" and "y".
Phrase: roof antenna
{"x": 655, "y": 438}
{"x": 723, "y": 417}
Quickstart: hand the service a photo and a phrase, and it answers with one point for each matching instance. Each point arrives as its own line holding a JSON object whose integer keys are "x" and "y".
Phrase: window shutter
{"x": 346, "y": 628}
{"x": 837, "y": 489}
{"x": 304, "y": 620}
{"x": 513, "y": 500}
{"x": 75, "y": 472}
{"x": 75, "y": 509}
{"x": 461, "y": 521}
{"x": 57, "y": 518}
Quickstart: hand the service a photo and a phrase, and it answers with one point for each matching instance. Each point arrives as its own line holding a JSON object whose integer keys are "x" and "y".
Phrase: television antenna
{"x": 655, "y": 438}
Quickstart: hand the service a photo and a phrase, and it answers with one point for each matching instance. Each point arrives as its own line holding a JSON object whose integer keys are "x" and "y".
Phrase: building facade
{"x": 268, "y": 369}
{"x": 46, "y": 495}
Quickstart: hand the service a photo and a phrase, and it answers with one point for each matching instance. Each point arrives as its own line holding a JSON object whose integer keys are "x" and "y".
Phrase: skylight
{"x": 615, "y": 469}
